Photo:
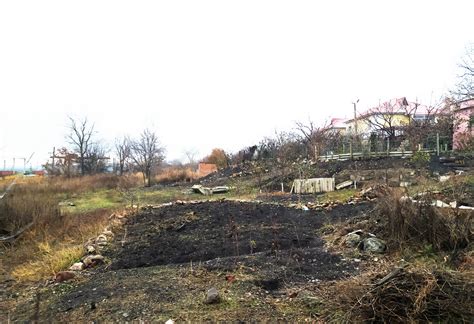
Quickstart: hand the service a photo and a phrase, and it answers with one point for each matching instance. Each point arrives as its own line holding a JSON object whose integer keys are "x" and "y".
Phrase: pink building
{"x": 464, "y": 124}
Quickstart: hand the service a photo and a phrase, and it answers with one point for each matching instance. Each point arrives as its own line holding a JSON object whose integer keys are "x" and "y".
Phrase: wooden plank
{"x": 314, "y": 185}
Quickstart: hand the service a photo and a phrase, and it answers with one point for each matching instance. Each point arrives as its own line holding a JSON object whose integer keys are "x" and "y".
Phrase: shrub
{"x": 420, "y": 159}
{"x": 409, "y": 296}
{"x": 55, "y": 239}
{"x": 217, "y": 157}
{"x": 407, "y": 222}
{"x": 176, "y": 174}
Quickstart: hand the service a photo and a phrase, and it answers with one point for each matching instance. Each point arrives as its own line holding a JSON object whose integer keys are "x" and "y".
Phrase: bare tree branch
{"x": 147, "y": 153}
{"x": 465, "y": 84}
{"x": 123, "y": 151}
{"x": 80, "y": 138}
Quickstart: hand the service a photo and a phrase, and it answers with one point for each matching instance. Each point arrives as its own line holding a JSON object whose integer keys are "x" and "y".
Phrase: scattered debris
{"x": 230, "y": 278}
{"x": 90, "y": 249}
{"x": 405, "y": 184}
{"x": 101, "y": 240}
{"x": 353, "y": 239}
{"x": 64, "y": 276}
{"x": 373, "y": 244}
{"x": 436, "y": 203}
{"x": 375, "y": 192}
{"x": 220, "y": 189}
{"x": 439, "y": 203}
{"x": 345, "y": 184}
{"x": 78, "y": 266}
{"x": 108, "y": 233}
{"x": 93, "y": 260}
{"x": 444, "y": 178}
{"x": 209, "y": 191}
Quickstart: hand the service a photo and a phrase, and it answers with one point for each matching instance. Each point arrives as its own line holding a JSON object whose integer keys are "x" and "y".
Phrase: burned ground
{"x": 163, "y": 259}
{"x": 225, "y": 229}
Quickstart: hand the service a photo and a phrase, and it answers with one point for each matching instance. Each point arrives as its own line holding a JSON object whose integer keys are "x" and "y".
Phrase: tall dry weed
{"x": 412, "y": 223}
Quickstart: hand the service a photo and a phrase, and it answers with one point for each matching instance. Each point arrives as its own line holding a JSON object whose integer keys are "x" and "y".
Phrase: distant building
{"x": 206, "y": 168}
{"x": 338, "y": 125}
{"x": 464, "y": 123}
{"x": 6, "y": 173}
{"x": 395, "y": 113}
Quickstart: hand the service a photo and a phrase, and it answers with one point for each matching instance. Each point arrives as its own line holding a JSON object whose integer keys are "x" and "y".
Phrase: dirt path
{"x": 163, "y": 260}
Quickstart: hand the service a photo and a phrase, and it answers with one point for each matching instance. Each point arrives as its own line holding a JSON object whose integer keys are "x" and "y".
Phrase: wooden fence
{"x": 314, "y": 185}
{"x": 360, "y": 155}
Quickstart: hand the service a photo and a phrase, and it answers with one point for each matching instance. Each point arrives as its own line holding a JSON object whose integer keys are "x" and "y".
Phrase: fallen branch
{"x": 390, "y": 276}
{"x": 10, "y": 187}
{"x": 17, "y": 234}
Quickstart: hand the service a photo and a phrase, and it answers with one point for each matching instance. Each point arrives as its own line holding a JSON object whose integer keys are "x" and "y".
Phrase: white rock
{"x": 444, "y": 178}
{"x": 101, "y": 240}
{"x": 108, "y": 233}
{"x": 93, "y": 260}
{"x": 78, "y": 266}
{"x": 170, "y": 321}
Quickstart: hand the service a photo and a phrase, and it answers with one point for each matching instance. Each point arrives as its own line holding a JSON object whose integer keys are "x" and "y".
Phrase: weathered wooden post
{"x": 437, "y": 144}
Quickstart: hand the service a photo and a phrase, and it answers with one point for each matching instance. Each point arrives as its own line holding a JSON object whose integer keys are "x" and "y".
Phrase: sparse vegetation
{"x": 412, "y": 223}
{"x": 176, "y": 174}
{"x": 411, "y": 295}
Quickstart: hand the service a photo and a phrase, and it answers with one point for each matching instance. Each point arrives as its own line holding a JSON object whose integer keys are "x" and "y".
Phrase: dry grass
{"x": 55, "y": 240}
{"x": 414, "y": 223}
{"x": 51, "y": 260}
{"x": 176, "y": 174}
{"x": 412, "y": 295}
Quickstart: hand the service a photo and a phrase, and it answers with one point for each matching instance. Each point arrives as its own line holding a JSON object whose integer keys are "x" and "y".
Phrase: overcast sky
{"x": 206, "y": 74}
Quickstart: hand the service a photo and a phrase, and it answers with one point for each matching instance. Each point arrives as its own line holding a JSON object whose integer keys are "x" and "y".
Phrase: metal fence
{"x": 350, "y": 148}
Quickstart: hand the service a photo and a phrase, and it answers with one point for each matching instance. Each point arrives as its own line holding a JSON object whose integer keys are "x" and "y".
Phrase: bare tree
{"x": 384, "y": 119}
{"x": 191, "y": 156}
{"x": 95, "y": 158}
{"x": 80, "y": 138}
{"x": 218, "y": 157}
{"x": 422, "y": 123}
{"x": 64, "y": 163}
{"x": 123, "y": 151}
{"x": 316, "y": 139}
{"x": 147, "y": 154}
{"x": 465, "y": 84}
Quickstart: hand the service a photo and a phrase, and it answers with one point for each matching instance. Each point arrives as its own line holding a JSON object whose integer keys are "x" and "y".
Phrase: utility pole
{"x": 355, "y": 116}
{"x": 54, "y": 154}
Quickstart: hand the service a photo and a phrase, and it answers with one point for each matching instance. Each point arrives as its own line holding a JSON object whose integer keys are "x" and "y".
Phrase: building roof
{"x": 397, "y": 106}
{"x": 338, "y": 123}
{"x": 466, "y": 104}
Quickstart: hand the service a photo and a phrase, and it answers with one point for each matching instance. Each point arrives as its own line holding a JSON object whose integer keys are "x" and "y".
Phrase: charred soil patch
{"x": 207, "y": 231}
{"x": 163, "y": 260}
